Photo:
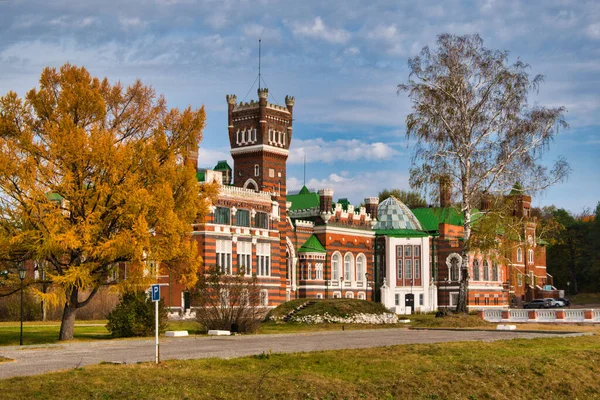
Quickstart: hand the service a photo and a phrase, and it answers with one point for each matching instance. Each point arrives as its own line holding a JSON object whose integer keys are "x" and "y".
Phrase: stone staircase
{"x": 289, "y": 315}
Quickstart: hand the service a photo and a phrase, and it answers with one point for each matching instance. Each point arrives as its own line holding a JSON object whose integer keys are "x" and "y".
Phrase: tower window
{"x": 222, "y": 215}
{"x": 256, "y": 170}
{"x": 261, "y": 220}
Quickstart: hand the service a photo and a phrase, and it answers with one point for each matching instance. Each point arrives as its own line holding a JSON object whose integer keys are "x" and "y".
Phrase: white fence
{"x": 541, "y": 315}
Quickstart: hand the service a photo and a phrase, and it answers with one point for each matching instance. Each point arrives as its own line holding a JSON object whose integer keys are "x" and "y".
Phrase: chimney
{"x": 371, "y": 204}
{"x": 326, "y": 200}
{"x": 486, "y": 202}
{"x": 445, "y": 191}
{"x": 262, "y": 106}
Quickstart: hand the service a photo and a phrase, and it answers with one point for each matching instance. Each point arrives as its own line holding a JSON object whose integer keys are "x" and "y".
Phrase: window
{"x": 271, "y": 173}
{"x": 397, "y": 299}
{"x": 453, "y": 299}
{"x": 308, "y": 272}
{"x": 224, "y": 256}
{"x": 319, "y": 271}
{"x": 264, "y": 298}
{"x": 319, "y": 295}
{"x": 421, "y": 299}
{"x": 224, "y": 297}
{"x": 417, "y": 269}
{"x": 361, "y": 296}
{"x": 242, "y": 218}
{"x": 475, "y": 270}
{"x": 222, "y": 216}
{"x": 360, "y": 267}
{"x": 486, "y": 270}
{"x": 263, "y": 259}
{"x": 454, "y": 268}
{"x": 530, "y": 256}
{"x": 519, "y": 280}
{"x": 417, "y": 251}
{"x": 261, "y": 220}
{"x": 348, "y": 267}
{"x": 407, "y": 251}
{"x": 399, "y": 251}
{"x": 335, "y": 266}
{"x": 244, "y": 251}
{"x": 519, "y": 254}
{"x": 349, "y": 295}
{"x": 256, "y": 170}
{"x": 400, "y": 269}
{"x": 494, "y": 271}
{"x": 408, "y": 269}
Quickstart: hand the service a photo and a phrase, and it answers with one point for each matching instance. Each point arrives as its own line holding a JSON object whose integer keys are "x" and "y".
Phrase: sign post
{"x": 156, "y": 299}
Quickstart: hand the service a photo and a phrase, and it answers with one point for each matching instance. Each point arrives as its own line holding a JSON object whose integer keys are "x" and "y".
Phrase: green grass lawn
{"x": 585, "y": 299}
{"x": 554, "y": 368}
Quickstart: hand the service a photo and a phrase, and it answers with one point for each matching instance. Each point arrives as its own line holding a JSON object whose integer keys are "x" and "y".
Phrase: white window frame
{"x": 348, "y": 267}
{"x": 361, "y": 262}
{"x": 399, "y": 268}
{"x": 319, "y": 271}
{"x": 336, "y": 259}
{"x": 417, "y": 267}
{"x": 263, "y": 259}
{"x": 244, "y": 255}
{"x": 519, "y": 254}
{"x": 256, "y": 170}
{"x": 224, "y": 256}
{"x": 476, "y": 270}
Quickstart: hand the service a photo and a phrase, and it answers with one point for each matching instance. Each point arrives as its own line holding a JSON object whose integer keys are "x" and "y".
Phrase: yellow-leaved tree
{"x": 94, "y": 175}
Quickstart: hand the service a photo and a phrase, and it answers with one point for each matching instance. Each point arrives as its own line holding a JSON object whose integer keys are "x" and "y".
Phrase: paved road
{"x": 33, "y": 360}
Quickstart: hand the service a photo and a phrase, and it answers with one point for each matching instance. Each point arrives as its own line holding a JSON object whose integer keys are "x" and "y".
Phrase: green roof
{"x": 201, "y": 176}
{"x": 222, "y": 166}
{"x": 400, "y": 233}
{"x": 516, "y": 189}
{"x": 312, "y": 245}
{"x": 303, "y": 200}
{"x": 430, "y": 218}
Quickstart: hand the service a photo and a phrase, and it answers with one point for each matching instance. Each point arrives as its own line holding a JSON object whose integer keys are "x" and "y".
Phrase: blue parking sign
{"x": 155, "y": 292}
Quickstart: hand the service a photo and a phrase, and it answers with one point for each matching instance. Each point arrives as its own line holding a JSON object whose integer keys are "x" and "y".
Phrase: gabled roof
{"x": 222, "y": 166}
{"x": 312, "y": 245}
{"x": 201, "y": 176}
{"x": 430, "y": 218}
{"x": 304, "y": 199}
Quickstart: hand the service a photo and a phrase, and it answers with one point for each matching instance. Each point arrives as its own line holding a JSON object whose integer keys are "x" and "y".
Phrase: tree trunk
{"x": 463, "y": 294}
{"x": 67, "y": 325}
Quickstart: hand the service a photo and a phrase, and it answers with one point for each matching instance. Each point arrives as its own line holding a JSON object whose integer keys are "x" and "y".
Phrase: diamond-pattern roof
{"x": 393, "y": 214}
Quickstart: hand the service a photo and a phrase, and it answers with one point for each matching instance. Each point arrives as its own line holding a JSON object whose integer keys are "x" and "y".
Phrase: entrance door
{"x": 409, "y": 301}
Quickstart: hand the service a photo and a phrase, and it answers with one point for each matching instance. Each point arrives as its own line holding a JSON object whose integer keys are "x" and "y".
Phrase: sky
{"x": 341, "y": 60}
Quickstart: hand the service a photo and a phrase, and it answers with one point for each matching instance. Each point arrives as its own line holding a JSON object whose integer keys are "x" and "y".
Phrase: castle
{"x": 306, "y": 245}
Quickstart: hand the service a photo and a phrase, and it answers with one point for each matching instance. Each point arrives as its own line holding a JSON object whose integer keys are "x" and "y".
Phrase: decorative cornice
{"x": 260, "y": 147}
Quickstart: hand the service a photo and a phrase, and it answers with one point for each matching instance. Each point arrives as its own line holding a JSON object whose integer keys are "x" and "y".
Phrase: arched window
{"x": 453, "y": 262}
{"x": 360, "y": 267}
{"x": 530, "y": 255}
{"x": 335, "y": 266}
{"x": 256, "y": 170}
{"x": 476, "y": 270}
{"x": 495, "y": 271}
{"x": 348, "y": 267}
{"x": 486, "y": 270}
{"x": 349, "y": 295}
{"x": 519, "y": 254}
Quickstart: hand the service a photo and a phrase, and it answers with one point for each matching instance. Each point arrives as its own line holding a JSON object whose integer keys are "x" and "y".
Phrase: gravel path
{"x": 36, "y": 359}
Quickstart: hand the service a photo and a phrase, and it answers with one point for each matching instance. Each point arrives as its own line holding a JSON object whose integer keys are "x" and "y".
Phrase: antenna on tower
{"x": 304, "y": 170}
{"x": 259, "y": 39}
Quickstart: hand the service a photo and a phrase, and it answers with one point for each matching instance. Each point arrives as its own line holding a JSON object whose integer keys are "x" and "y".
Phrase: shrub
{"x": 228, "y": 302}
{"x": 134, "y": 316}
{"x": 10, "y": 307}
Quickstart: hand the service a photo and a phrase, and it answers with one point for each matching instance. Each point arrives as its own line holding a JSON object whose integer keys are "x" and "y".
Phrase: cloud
{"x": 318, "y": 30}
{"x": 355, "y": 187}
{"x": 320, "y": 150}
{"x": 131, "y": 22}
{"x": 593, "y": 31}
{"x": 208, "y": 158}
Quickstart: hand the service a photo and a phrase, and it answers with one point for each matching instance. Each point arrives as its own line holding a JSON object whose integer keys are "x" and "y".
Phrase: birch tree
{"x": 92, "y": 176}
{"x": 475, "y": 129}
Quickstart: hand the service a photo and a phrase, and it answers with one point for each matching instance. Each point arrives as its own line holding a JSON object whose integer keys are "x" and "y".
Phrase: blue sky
{"x": 341, "y": 60}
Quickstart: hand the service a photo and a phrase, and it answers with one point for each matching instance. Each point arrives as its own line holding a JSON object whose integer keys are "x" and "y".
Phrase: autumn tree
{"x": 410, "y": 198}
{"x": 474, "y": 129}
{"x": 94, "y": 175}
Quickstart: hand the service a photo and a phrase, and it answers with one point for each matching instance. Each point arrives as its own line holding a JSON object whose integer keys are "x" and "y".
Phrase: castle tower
{"x": 260, "y": 134}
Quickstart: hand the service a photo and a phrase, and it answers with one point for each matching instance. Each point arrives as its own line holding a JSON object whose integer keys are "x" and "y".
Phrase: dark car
{"x": 539, "y": 303}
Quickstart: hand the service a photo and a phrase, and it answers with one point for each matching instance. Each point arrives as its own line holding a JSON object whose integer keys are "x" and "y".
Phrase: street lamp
{"x": 568, "y": 287}
{"x": 341, "y": 287}
{"x": 22, "y": 273}
{"x": 367, "y": 285}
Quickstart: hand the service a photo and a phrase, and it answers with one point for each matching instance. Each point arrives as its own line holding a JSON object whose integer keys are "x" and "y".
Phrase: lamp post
{"x": 568, "y": 288}
{"x": 367, "y": 285}
{"x": 341, "y": 287}
{"x": 22, "y": 273}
